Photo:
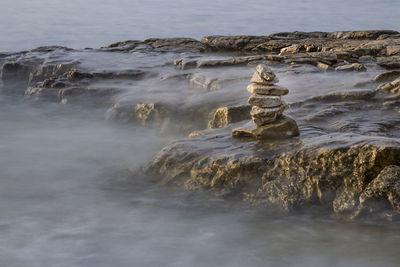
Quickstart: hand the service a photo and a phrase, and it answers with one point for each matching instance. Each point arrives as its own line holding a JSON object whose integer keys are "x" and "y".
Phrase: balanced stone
{"x": 265, "y": 101}
{"x": 262, "y": 116}
{"x": 267, "y": 108}
{"x": 265, "y": 72}
{"x": 256, "y": 78}
{"x": 267, "y": 90}
{"x": 284, "y": 127}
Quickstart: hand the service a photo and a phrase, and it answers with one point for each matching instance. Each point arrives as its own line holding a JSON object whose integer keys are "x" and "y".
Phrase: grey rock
{"x": 267, "y": 89}
{"x": 265, "y": 72}
{"x": 351, "y": 67}
{"x": 351, "y": 95}
{"x": 265, "y": 101}
{"x": 262, "y": 116}
{"x": 256, "y": 78}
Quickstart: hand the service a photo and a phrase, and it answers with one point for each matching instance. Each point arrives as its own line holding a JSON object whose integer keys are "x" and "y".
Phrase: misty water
{"x": 69, "y": 190}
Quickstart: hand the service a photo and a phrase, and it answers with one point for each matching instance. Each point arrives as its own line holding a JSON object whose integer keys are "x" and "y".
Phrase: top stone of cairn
{"x": 265, "y": 73}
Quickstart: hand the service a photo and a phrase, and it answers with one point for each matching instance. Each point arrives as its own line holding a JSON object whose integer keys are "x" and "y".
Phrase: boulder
{"x": 339, "y": 172}
{"x": 227, "y": 115}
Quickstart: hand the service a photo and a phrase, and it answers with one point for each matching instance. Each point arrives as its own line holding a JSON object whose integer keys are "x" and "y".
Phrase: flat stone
{"x": 387, "y": 76}
{"x": 265, "y": 101}
{"x": 256, "y": 78}
{"x": 351, "y": 67}
{"x": 348, "y": 95}
{"x": 265, "y": 72}
{"x": 262, "y": 116}
{"x": 284, "y": 127}
{"x": 267, "y": 90}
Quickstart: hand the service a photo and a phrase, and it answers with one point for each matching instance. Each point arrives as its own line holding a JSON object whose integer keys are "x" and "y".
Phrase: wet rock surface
{"x": 345, "y": 98}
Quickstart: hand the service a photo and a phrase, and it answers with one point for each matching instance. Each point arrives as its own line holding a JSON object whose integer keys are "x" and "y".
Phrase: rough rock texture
{"x": 382, "y": 193}
{"x": 332, "y": 170}
{"x": 265, "y": 101}
{"x": 262, "y": 116}
{"x": 390, "y": 87}
{"x": 346, "y": 157}
{"x": 227, "y": 115}
{"x": 388, "y": 76}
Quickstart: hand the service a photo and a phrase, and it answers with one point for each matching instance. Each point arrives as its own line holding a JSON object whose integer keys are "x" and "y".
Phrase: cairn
{"x": 267, "y": 108}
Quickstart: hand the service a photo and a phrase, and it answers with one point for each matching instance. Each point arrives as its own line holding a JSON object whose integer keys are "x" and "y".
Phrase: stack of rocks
{"x": 267, "y": 108}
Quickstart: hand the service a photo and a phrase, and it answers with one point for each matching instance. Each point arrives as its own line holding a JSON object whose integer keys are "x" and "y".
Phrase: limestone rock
{"x": 149, "y": 113}
{"x": 175, "y": 45}
{"x": 330, "y": 171}
{"x": 267, "y": 90}
{"x": 390, "y": 87}
{"x": 388, "y": 76}
{"x": 262, "y": 116}
{"x": 351, "y": 67}
{"x": 389, "y": 63}
{"x": 265, "y": 72}
{"x": 265, "y": 101}
{"x": 361, "y": 34}
{"x": 284, "y": 127}
{"x": 382, "y": 193}
{"x": 256, "y": 78}
{"x": 393, "y": 50}
{"x": 293, "y": 49}
{"x": 323, "y": 66}
{"x": 350, "y": 95}
{"x": 226, "y": 115}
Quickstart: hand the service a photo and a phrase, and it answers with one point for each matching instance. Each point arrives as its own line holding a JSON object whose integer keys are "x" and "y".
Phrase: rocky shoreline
{"x": 346, "y": 159}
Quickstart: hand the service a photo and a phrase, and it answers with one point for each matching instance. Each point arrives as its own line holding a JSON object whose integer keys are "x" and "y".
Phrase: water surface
{"x": 93, "y": 23}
